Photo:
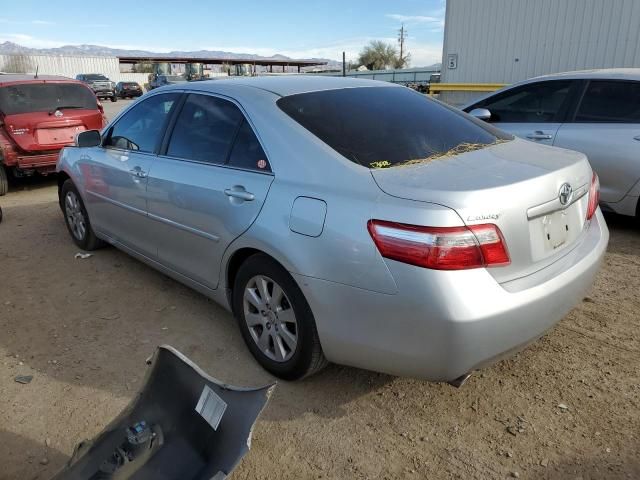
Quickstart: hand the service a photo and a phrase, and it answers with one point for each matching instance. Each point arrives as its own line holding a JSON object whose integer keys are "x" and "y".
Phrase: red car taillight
{"x": 440, "y": 248}
{"x": 594, "y": 196}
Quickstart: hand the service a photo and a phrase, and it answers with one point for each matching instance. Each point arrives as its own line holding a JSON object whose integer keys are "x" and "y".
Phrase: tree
{"x": 402, "y": 62}
{"x": 379, "y": 56}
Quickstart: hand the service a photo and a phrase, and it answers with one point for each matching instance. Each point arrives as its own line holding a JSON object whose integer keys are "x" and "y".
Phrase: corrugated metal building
{"x": 68, "y": 66}
{"x": 505, "y": 41}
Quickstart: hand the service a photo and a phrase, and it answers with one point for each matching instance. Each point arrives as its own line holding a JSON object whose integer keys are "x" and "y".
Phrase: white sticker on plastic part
{"x": 211, "y": 407}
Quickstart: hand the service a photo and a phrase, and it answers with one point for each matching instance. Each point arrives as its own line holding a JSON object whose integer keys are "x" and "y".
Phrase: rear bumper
{"x": 444, "y": 324}
{"x": 42, "y": 163}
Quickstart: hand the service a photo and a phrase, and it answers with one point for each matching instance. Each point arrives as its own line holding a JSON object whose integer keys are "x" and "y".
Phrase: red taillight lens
{"x": 440, "y": 248}
{"x": 594, "y": 196}
{"x": 100, "y": 106}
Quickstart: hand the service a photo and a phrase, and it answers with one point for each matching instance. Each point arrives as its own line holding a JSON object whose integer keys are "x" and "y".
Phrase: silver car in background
{"x": 343, "y": 220}
{"x": 596, "y": 112}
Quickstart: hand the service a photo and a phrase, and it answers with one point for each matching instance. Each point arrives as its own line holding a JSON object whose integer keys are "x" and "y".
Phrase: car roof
{"x": 10, "y": 78}
{"x": 600, "y": 73}
{"x": 287, "y": 84}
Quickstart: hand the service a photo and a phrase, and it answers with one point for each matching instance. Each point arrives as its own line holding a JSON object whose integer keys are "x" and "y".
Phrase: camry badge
{"x": 565, "y": 194}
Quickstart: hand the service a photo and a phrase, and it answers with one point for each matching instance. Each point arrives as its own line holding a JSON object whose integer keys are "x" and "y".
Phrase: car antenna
{"x": 36, "y": 75}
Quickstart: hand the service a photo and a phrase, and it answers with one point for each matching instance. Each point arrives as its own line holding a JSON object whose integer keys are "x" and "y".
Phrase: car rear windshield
{"x": 380, "y": 127}
{"x": 95, "y": 76}
{"x": 45, "y": 97}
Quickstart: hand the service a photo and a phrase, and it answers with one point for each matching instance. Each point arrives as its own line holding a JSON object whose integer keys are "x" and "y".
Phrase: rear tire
{"x": 114, "y": 98}
{"x": 282, "y": 337}
{"x": 77, "y": 219}
{"x": 4, "y": 180}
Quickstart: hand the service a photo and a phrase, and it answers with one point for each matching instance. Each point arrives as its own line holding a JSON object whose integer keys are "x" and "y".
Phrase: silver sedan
{"x": 596, "y": 112}
{"x": 343, "y": 220}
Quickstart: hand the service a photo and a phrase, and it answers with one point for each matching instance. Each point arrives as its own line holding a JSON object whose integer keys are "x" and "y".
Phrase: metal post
{"x": 270, "y": 68}
{"x": 344, "y": 66}
{"x": 298, "y": 68}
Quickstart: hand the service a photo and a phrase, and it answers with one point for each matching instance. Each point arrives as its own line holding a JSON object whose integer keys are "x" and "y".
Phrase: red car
{"x": 39, "y": 116}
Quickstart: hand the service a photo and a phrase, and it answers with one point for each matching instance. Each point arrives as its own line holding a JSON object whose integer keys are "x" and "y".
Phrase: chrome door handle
{"x": 539, "y": 135}
{"x": 138, "y": 172}
{"x": 240, "y": 193}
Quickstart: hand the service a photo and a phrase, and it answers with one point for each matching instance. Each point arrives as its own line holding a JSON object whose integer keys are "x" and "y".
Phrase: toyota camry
{"x": 343, "y": 220}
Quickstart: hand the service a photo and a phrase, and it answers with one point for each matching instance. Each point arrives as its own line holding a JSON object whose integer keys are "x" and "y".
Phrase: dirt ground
{"x": 83, "y": 329}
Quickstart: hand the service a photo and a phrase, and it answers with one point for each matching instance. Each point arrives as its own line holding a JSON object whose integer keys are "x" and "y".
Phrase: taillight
{"x": 100, "y": 106}
{"x": 594, "y": 196}
{"x": 440, "y": 248}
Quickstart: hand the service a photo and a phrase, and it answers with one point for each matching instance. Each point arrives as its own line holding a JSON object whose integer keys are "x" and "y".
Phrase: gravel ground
{"x": 83, "y": 329}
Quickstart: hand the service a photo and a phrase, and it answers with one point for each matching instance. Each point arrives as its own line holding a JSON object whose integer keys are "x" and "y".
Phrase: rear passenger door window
{"x": 536, "y": 103}
{"x": 141, "y": 128}
{"x": 205, "y": 129}
{"x": 610, "y": 102}
{"x": 247, "y": 152}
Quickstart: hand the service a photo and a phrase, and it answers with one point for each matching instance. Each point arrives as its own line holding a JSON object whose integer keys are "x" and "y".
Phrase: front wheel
{"x": 275, "y": 319}
{"x": 76, "y": 218}
{"x": 4, "y": 180}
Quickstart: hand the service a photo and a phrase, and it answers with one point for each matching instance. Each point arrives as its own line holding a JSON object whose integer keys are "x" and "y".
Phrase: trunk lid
{"x": 514, "y": 185}
{"x": 42, "y": 131}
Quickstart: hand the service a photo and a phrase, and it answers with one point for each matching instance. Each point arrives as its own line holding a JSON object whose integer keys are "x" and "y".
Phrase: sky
{"x": 298, "y": 29}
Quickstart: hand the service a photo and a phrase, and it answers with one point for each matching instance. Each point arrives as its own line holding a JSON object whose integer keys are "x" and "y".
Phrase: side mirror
{"x": 481, "y": 114}
{"x": 88, "y": 138}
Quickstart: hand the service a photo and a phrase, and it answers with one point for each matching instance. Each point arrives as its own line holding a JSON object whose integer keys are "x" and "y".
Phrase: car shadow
{"x": 600, "y": 466}
{"x": 93, "y": 322}
{"x": 627, "y": 234}
{"x": 22, "y": 458}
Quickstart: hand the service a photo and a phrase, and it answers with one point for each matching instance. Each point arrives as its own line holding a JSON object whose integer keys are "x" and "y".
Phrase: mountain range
{"x": 10, "y": 48}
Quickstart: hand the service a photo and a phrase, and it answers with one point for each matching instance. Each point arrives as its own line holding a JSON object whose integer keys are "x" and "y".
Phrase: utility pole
{"x": 344, "y": 65}
{"x": 402, "y": 35}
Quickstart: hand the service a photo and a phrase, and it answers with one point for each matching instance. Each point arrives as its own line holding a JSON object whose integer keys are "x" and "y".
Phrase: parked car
{"x": 157, "y": 80}
{"x": 101, "y": 85}
{"x": 596, "y": 112}
{"x": 128, "y": 90}
{"x": 39, "y": 116}
{"x": 343, "y": 220}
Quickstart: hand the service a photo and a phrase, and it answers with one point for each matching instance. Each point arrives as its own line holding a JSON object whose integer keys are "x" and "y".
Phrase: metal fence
{"x": 403, "y": 76}
{"x": 68, "y": 66}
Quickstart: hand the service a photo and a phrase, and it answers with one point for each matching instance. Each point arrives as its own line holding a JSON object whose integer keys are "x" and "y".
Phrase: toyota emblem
{"x": 566, "y": 192}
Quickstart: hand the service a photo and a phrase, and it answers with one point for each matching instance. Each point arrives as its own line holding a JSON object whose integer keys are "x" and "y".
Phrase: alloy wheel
{"x": 75, "y": 216}
{"x": 270, "y": 318}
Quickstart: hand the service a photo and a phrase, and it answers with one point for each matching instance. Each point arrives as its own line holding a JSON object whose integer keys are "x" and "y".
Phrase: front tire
{"x": 77, "y": 219}
{"x": 4, "y": 180}
{"x": 275, "y": 320}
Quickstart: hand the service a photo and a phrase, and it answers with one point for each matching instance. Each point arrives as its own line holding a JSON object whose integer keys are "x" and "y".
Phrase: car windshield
{"x": 380, "y": 127}
{"x": 95, "y": 76}
{"x": 174, "y": 78}
{"x": 45, "y": 97}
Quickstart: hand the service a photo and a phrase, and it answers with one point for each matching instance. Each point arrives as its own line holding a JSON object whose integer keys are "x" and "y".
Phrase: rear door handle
{"x": 539, "y": 135}
{"x": 239, "y": 192}
{"x": 138, "y": 172}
